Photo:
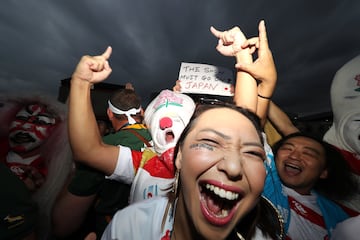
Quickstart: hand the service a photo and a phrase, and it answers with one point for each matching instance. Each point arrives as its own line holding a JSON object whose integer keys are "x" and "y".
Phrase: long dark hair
{"x": 266, "y": 217}
{"x": 263, "y": 215}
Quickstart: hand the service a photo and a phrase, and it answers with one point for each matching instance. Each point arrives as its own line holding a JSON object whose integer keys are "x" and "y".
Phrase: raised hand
{"x": 93, "y": 69}
{"x": 177, "y": 87}
{"x": 230, "y": 41}
{"x": 263, "y": 68}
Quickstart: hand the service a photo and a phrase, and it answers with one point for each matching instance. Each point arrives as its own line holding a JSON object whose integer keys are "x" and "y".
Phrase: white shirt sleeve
{"x": 124, "y": 170}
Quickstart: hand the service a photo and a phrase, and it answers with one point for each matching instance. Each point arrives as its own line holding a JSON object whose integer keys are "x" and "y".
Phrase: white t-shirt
{"x": 141, "y": 220}
{"x": 306, "y": 218}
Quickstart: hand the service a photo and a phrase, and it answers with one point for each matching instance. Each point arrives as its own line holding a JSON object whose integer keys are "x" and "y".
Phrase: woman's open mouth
{"x": 218, "y": 204}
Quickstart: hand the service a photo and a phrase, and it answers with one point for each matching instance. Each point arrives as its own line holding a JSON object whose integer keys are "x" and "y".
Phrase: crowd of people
{"x": 181, "y": 168}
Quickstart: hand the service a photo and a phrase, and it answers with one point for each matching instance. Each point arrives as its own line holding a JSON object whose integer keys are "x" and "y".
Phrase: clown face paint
{"x": 167, "y": 130}
{"x": 352, "y": 132}
{"x": 32, "y": 126}
{"x": 166, "y": 117}
{"x": 345, "y": 101}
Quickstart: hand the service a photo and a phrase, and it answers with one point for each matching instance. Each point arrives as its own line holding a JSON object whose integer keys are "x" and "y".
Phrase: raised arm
{"x": 281, "y": 120}
{"x": 229, "y": 44}
{"x": 85, "y": 139}
{"x": 262, "y": 69}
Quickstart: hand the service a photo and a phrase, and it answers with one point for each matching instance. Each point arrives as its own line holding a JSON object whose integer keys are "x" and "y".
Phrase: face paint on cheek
{"x": 16, "y": 125}
{"x": 43, "y": 132}
{"x": 37, "y": 132}
{"x": 31, "y": 127}
{"x": 198, "y": 146}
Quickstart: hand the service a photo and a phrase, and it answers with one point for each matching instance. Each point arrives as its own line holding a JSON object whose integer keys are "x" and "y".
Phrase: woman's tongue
{"x": 213, "y": 206}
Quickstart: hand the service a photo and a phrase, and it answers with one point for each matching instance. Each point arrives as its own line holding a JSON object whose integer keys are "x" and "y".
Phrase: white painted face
{"x": 345, "y": 102}
{"x": 31, "y": 127}
{"x": 166, "y": 117}
{"x": 167, "y": 130}
{"x": 351, "y": 130}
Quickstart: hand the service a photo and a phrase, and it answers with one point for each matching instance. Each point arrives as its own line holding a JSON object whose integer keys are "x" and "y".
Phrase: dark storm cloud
{"x": 43, "y": 40}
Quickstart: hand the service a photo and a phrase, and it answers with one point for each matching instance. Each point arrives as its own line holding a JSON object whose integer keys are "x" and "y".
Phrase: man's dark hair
{"x": 126, "y": 99}
{"x": 339, "y": 183}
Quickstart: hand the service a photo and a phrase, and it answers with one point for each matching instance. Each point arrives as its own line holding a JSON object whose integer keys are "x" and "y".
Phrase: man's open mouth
{"x": 292, "y": 169}
{"x": 22, "y": 137}
{"x": 169, "y": 136}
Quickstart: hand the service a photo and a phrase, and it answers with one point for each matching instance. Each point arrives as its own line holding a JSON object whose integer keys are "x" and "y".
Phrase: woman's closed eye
{"x": 208, "y": 144}
{"x": 257, "y": 154}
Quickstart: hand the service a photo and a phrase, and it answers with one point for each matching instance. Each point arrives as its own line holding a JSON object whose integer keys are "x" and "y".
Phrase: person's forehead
{"x": 223, "y": 117}
{"x": 37, "y": 109}
{"x": 305, "y": 142}
{"x": 221, "y": 112}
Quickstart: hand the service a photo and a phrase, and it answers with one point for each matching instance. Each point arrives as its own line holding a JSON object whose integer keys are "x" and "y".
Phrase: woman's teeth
{"x": 222, "y": 193}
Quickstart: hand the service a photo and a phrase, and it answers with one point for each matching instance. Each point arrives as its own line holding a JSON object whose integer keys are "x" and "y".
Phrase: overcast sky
{"x": 42, "y": 41}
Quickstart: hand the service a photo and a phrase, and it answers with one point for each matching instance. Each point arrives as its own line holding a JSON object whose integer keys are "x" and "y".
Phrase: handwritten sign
{"x": 207, "y": 79}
